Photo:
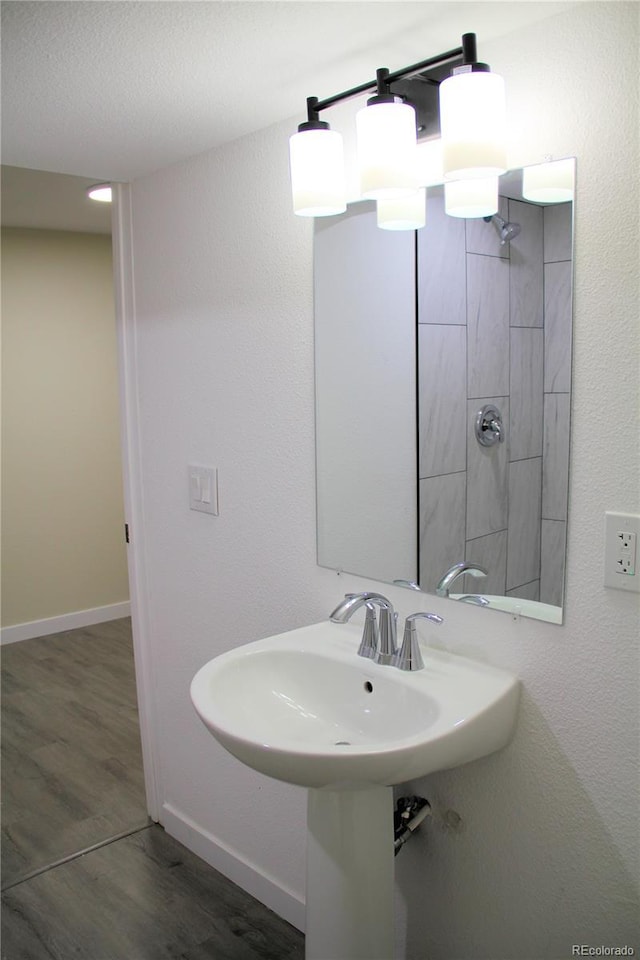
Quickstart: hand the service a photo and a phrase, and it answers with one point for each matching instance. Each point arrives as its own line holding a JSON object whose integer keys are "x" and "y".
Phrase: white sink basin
{"x": 304, "y": 708}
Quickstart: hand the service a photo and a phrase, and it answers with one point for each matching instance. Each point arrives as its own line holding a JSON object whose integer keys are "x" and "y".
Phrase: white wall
{"x": 63, "y": 547}
{"x": 223, "y": 285}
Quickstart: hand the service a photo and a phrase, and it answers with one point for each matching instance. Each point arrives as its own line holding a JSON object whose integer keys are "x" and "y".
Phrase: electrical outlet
{"x": 627, "y": 541}
{"x": 626, "y": 565}
{"x": 621, "y": 539}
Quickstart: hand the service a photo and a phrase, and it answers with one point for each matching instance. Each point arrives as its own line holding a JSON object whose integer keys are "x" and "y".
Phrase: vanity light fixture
{"x": 316, "y": 158}
{"x": 387, "y": 142}
{"x": 430, "y": 173}
{"x": 473, "y": 119}
{"x": 550, "y": 182}
{"x": 470, "y": 198}
{"x": 100, "y": 192}
{"x": 403, "y": 213}
{"x": 392, "y": 164}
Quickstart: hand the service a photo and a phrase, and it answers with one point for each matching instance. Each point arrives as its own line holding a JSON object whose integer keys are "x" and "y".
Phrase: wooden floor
{"x": 71, "y": 758}
{"x": 71, "y": 779}
{"x": 141, "y": 898}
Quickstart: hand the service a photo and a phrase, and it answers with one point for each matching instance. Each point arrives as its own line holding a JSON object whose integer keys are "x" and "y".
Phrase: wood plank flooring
{"x": 141, "y": 898}
{"x": 72, "y": 778}
{"x": 71, "y": 757}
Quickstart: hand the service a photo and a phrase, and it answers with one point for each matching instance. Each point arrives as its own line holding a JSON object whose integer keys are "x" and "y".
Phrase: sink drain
{"x": 342, "y": 743}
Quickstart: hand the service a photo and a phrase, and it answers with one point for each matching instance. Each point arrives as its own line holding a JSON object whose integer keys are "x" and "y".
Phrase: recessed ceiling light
{"x": 100, "y": 191}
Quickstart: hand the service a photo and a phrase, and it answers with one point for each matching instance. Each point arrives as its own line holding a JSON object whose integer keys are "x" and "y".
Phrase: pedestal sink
{"x": 304, "y": 708}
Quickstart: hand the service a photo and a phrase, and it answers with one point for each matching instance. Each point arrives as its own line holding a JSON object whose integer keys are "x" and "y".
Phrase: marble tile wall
{"x": 557, "y": 327}
{"x": 442, "y": 525}
{"x": 442, "y": 406}
{"x": 558, "y": 270}
{"x": 487, "y": 475}
{"x": 487, "y": 325}
{"x": 523, "y": 535}
{"x": 441, "y": 268}
{"x": 491, "y": 553}
{"x": 483, "y": 238}
{"x": 495, "y": 327}
{"x": 555, "y": 456}
{"x": 526, "y": 393}
{"x": 526, "y": 266}
{"x": 551, "y": 566}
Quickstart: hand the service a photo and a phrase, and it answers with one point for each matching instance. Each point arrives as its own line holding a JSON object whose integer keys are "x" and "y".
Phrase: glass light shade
{"x": 100, "y": 192}
{"x": 430, "y": 162}
{"x": 473, "y": 125}
{"x": 403, "y": 213}
{"x": 317, "y": 173}
{"x": 471, "y": 198}
{"x": 551, "y": 182}
{"x": 387, "y": 157}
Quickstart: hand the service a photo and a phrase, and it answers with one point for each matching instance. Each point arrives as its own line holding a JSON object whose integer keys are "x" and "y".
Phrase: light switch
{"x": 203, "y": 489}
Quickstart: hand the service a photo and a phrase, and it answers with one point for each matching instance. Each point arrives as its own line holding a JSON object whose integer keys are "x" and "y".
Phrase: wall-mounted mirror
{"x": 443, "y": 387}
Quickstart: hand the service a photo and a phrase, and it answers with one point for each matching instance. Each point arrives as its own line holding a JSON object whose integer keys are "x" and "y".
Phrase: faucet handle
{"x": 409, "y": 656}
{"x": 433, "y": 617}
{"x": 369, "y": 643}
{"x": 387, "y": 649}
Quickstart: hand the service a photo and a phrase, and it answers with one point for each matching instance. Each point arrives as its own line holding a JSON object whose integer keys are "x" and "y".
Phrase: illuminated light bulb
{"x": 430, "y": 162}
{"x": 551, "y": 182}
{"x": 471, "y": 198}
{"x": 473, "y": 125}
{"x": 387, "y": 156}
{"x": 100, "y": 192}
{"x": 318, "y": 182}
{"x": 403, "y": 213}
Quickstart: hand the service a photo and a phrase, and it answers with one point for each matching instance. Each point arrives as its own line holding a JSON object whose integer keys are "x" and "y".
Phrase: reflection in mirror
{"x": 443, "y": 383}
{"x": 365, "y": 351}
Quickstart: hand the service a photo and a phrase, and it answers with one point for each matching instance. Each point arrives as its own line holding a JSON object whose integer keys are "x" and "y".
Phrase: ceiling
{"x": 109, "y": 90}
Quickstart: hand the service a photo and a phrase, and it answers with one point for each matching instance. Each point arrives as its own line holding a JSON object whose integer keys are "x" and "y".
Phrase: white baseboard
{"x": 68, "y": 621}
{"x": 229, "y": 862}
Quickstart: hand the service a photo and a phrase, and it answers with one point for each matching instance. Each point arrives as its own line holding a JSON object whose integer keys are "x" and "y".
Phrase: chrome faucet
{"x": 409, "y": 656}
{"x": 369, "y": 643}
{"x": 458, "y": 570}
{"x": 475, "y": 598}
{"x": 376, "y": 644}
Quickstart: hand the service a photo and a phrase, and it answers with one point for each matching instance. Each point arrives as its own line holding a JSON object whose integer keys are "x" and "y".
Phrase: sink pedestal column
{"x": 350, "y": 875}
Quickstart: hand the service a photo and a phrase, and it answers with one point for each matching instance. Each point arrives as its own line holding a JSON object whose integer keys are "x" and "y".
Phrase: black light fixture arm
{"x": 383, "y": 84}
{"x": 384, "y": 78}
{"x": 470, "y": 55}
{"x": 312, "y": 110}
{"x": 469, "y": 48}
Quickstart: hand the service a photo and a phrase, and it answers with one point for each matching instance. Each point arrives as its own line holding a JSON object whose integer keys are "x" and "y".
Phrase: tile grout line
{"x": 76, "y": 855}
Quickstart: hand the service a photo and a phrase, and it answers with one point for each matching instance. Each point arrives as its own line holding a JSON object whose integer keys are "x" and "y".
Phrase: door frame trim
{"x": 123, "y": 269}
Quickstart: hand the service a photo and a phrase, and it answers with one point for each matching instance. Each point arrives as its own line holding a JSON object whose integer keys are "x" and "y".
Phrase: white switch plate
{"x": 621, "y": 562}
{"x": 203, "y": 489}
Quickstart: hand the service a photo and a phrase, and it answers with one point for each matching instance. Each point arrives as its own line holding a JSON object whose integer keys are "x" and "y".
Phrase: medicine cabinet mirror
{"x": 443, "y": 391}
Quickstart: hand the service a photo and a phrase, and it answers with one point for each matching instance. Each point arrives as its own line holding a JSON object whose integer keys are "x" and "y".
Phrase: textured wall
{"x": 548, "y": 848}
{"x": 62, "y": 515}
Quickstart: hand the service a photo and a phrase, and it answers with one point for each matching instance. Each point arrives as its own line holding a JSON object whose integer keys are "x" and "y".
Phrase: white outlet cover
{"x": 620, "y": 553}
